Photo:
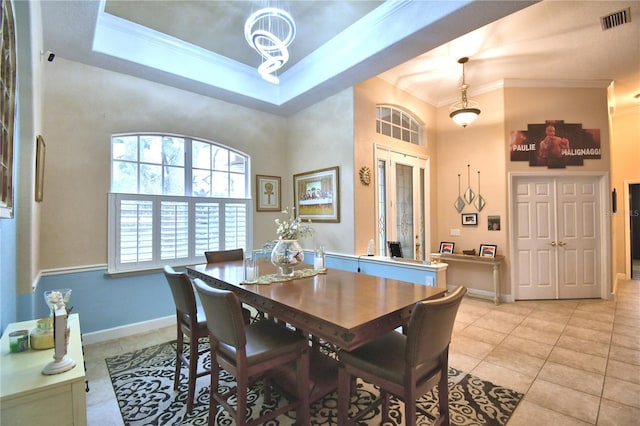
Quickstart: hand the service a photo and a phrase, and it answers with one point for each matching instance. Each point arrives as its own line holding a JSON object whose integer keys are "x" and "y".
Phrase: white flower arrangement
{"x": 292, "y": 228}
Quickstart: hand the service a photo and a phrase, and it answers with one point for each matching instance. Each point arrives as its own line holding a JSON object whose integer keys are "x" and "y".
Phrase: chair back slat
{"x": 430, "y": 327}
{"x": 182, "y": 292}
{"x": 224, "y": 315}
{"x": 224, "y": 255}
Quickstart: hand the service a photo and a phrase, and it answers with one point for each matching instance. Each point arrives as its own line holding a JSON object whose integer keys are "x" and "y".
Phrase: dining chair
{"x": 249, "y": 352}
{"x": 190, "y": 323}
{"x": 217, "y": 256}
{"x": 406, "y": 366}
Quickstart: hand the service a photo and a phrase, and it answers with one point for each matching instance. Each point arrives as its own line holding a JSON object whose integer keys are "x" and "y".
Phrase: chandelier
{"x": 465, "y": 111}
{"x": 270, "y": 31}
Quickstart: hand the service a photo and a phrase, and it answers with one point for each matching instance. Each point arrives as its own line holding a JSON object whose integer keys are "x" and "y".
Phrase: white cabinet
{"x": 28, "y": 397}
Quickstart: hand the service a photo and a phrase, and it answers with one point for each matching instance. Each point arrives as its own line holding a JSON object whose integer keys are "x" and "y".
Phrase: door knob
{"x": 562, "y": 244}
{"x": 552, "y": 243}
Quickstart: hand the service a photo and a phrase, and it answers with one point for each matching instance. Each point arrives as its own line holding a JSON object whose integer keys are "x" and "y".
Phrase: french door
{"x": 401, "y": 206}
{"x": 557, "y": 237}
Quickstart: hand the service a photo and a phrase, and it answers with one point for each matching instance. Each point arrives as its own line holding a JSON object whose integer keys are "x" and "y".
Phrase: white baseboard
{"x": 127, "y": 330}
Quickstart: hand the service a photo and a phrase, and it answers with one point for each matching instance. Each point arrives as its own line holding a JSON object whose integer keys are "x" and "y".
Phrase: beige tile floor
{"x": 577, "y": 362}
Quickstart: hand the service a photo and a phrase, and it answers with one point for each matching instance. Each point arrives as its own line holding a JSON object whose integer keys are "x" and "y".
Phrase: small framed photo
{"x": 493, "y": 223}
{"x": 395, "y": 250}
{"x": 446, "y": 248}
{"x": 469, "y": 219}
{"x": 268, "y": 194}
{"x": 488, "y": 250}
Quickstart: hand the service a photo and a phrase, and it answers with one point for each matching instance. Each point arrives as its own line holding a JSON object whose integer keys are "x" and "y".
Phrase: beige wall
{"x": 84, "y": 105}
{"x": 319, "y": 137}
{"x": 30, "y": 87}
{"x": 625, "y": 169}
{"x": 480, "y": 145}
{"x": 367, "y": 96}
{"x": 534, "y": 105}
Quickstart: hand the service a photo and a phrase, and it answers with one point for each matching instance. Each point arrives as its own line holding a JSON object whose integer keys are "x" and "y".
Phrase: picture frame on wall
{"x": 488, "y": 250}
{"x": 446, "y": 247}
{"x": 268, "y": 193}
{"x": 317, "y": 195}
{"x": 469, "y": 219}
{"x": 40, "y": 154}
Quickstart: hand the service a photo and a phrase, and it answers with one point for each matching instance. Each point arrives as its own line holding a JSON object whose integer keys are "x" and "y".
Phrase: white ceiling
{"x": 200, "y": 46}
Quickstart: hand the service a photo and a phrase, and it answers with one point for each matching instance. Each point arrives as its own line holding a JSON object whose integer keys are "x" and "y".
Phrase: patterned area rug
{"x": 143, "y": 384}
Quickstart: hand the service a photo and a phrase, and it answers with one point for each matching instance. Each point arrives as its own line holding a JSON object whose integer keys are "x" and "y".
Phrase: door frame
{"x": 386, "y": 152}
{"x": 627, "y": 227}
{"x": 605, "y": 222}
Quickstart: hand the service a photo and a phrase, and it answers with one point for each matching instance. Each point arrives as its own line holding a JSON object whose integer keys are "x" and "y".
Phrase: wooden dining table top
{"x": 344, "y": 308}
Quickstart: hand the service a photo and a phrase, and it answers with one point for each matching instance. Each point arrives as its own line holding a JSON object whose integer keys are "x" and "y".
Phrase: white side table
{"x": 28, "y": 397}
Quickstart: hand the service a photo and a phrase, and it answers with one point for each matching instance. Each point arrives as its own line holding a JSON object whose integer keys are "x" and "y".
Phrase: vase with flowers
{"x": 287, "y": 252}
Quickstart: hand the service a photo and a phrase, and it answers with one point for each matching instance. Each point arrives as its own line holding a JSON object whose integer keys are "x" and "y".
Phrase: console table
{"x": 28, "y": 397}
{"x": 494, "y": 262}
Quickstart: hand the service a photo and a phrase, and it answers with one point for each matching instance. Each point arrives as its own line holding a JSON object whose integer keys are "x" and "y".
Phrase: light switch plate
{"x": 454, "y": 232}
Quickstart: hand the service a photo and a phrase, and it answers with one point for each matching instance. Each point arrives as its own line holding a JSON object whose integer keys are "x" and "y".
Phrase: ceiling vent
{"x": 616, "y": 19}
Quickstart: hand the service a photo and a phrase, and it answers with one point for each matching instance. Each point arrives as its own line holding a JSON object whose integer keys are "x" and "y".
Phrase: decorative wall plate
{"x": 365, "y": 175}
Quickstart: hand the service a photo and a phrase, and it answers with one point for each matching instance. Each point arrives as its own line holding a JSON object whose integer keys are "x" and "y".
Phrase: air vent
{"x": 616, "y": 19}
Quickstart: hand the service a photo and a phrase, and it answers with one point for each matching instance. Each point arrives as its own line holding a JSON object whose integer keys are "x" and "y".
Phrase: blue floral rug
{"x": 143, "y": 384}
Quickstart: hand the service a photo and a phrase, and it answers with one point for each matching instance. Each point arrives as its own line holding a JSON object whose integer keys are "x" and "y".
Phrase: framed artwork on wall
{"x": 40, "y": 151}
{"x": 268, "y": 194}
{"x": 469, "y": 219}
{"x": 316, "y": 195}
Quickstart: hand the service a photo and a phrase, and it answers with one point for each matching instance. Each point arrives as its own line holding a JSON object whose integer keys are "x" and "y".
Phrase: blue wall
{"x": 8, "y": 297}
{"x": 105, "y": 301}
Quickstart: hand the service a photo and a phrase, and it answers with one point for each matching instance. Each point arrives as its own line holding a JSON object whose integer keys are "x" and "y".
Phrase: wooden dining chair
{"x": 218, "y": 256}
{"x": 190, "y": 323}
{"x": 224, "y": 255}
{"x": 405, "y": 366}
{"x": 248, "y": 352}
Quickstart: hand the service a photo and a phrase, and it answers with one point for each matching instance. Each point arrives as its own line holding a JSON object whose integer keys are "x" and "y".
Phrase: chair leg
{"x": 410, "y": 401}
{"x": 443, "y": 396}
{"x": 302, "y": 410}
{"x": 344, "y": 395}
{"x": 213, "y": 390}
{"x": 242, "y": 381}
{"x": 193, "y": 371}
{"x": 384, "y": 401}
{"x": 179, "y": 348}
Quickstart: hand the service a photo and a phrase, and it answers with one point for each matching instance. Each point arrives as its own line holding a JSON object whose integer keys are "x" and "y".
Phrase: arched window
{"x": 398, "y": 124}
{"x": 173, "y": 198}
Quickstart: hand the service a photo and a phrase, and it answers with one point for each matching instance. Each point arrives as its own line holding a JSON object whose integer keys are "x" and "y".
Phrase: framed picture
{"x": 268, "y": 195}
{"x": 395, "y": 250}
{"x": 469, "y": 219}
{"x": 317, "y": 195}
{"x": 493, "y": 223}
{"x": 488, "y": 250}
{"x": 40, "y": 151}
{"x": 446, "y": 248}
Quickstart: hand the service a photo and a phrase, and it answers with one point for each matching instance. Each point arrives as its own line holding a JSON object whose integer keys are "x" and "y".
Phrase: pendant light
{"x": 465, "y": 111}
{"x": 270, "y": 31}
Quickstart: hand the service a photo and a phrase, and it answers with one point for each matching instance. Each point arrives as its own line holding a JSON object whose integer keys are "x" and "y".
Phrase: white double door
{"x": 557, "y": 237}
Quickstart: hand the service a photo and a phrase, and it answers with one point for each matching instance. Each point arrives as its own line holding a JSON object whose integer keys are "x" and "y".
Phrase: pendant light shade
{"x": 465, "y": 111}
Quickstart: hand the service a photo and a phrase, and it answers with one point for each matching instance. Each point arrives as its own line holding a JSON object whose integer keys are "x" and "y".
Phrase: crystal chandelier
{"x": 270, "y": 31}
{"x": 465, "y": 111}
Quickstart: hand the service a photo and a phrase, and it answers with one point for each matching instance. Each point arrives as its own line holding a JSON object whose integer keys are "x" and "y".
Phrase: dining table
{"x": 343, "y": 309}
